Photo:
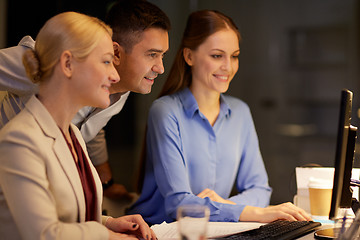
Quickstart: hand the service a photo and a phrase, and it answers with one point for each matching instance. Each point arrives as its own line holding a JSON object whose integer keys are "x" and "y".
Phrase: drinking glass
{"x": 192, "y": 222}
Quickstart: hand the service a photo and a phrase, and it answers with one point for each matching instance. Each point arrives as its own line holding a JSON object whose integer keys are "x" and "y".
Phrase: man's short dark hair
{"x": 130, "y": 18}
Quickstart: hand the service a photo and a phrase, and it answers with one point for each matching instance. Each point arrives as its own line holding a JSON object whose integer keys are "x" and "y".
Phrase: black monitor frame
{"x": 344, "y": 157}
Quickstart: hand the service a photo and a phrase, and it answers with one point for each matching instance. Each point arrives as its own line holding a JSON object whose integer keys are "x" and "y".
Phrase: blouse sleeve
{"x": 252, "y": 178}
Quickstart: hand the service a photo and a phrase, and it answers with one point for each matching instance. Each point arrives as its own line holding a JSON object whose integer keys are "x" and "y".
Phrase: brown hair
{"x": 199, "y": 27}
{"x": 129, "y": 19}
{"x": 71, "y": 31}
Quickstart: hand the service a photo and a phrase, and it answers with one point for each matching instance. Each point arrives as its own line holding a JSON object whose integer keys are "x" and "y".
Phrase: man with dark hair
{"x": 140, "y": 42}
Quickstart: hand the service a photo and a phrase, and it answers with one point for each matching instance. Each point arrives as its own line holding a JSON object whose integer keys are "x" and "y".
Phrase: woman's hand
{"x": 285, "y": 211}
{"x": 118, "y": 192}
{"x": 213, "y": 196}
{"x": 130, "y": 226}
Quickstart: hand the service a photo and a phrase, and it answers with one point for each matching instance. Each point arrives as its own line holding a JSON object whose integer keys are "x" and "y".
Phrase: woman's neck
{"x": 61, "y": 106}
{"x": 208, "y": 102}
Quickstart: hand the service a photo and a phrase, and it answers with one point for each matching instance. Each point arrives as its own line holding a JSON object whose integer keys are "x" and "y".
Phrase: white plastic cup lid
{"x": 320, "y": 183}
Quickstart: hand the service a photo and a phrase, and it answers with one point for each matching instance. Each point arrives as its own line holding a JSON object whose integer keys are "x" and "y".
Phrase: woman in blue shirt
{"x": 200, "y": 142}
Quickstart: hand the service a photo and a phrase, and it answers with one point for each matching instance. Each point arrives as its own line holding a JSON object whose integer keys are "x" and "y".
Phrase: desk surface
{"x": 308, "y": 236}
{"x": 168, "y": 231}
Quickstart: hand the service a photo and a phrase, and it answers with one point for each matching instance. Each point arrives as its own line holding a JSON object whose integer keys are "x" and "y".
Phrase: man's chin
{"x": 144, "y": 91}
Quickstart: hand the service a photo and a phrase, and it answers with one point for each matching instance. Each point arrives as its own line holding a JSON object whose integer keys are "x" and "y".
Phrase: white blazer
{"x": 41, "y": 195}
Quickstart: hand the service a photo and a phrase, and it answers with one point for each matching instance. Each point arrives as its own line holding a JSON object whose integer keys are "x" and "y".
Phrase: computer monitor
{"x": 344, "y": 157}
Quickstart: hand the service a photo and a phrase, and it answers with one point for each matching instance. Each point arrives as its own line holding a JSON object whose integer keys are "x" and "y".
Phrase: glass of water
{"x": 192, "y": 222}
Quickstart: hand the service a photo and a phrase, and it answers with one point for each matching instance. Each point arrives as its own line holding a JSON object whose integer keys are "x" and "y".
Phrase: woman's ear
{"x": 187, "y": 53}
{"x": 66, "y": 63}
{"x": 118, "y": 50}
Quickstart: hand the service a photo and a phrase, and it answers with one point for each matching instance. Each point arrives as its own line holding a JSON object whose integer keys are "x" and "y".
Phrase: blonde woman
{"x": 48, "y": 187}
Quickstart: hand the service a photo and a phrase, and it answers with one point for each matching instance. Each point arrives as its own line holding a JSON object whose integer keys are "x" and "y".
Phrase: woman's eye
{"x": 216, "y": 56}
{"x": 236, "y": 56}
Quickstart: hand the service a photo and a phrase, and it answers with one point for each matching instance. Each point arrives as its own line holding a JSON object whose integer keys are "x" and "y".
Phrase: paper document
{"x": 168, "y": 231}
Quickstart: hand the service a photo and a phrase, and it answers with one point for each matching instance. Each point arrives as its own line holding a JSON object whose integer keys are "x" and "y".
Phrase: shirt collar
{"x": 191, "y": 107}
{"x": 225, "y": 107}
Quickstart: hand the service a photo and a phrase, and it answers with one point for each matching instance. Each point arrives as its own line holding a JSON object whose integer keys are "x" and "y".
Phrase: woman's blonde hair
{"x": 71, "y": 31}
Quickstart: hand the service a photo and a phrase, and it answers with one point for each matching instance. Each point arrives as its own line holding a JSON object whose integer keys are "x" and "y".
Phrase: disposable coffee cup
{"x": 320, "y": 191}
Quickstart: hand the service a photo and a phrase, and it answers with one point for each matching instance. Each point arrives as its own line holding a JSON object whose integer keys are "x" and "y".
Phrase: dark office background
{"x": 296, "y": 56}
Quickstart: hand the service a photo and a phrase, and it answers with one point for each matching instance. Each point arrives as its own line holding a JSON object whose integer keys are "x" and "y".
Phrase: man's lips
{"x": 150, "y": 78}
{"x": 106, "y": 87}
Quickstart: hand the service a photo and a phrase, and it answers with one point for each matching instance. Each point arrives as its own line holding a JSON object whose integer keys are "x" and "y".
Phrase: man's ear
{"x": 118, "y": 51}
{"x": 66, "y": 62}
{"x": 187, "y": 53}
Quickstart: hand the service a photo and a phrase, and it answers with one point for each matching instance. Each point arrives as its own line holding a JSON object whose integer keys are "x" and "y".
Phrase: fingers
{"x": 214, "y": 196}
{"x": 205, "y": 193}
{"x": 285, "y": 211}
{"x": 153, "y": 235}
{"x": 142, "y": 229}
{"x": 134, "y": 224}
{"x": 298, "y": 213}
{"x": 145, "y": 231}
{"x": 289, "y": 211}
{"x": 121, "y": 225}
{"x": 210, "y": 194}
{"x": 148, "y": 234}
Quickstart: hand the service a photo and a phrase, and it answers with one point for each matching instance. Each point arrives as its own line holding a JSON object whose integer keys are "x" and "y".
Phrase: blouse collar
{"x": 191, "y": 106}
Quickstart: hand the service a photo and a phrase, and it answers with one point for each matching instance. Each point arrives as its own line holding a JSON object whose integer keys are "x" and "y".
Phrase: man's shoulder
{"x": 25, "y": 43}
{"x": 22, "y": 126}
{"x": 12, "y": 72}
{"x": 10, "y": 106}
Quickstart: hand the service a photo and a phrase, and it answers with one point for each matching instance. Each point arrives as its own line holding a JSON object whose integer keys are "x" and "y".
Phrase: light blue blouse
{"x": 185, "y": 155}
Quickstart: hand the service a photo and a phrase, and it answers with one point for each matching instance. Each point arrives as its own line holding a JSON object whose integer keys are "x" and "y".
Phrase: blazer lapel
{"x": 68, "y": 164}
{"x": 96, "y": 177}
{"x": 61, "y": 150}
